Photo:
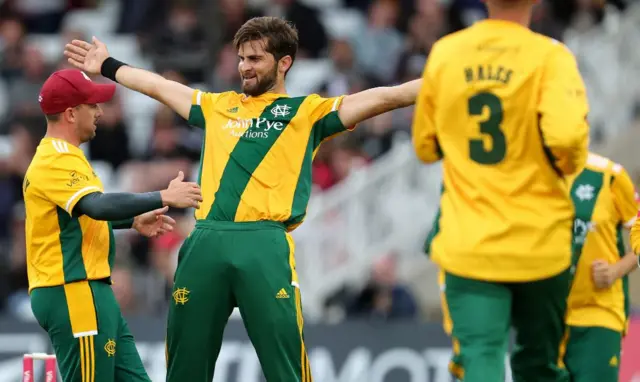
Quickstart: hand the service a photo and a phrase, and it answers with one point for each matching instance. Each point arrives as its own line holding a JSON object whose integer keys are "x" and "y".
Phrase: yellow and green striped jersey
{"x": 605, "y": 204}
{"x": 257, "y": 153}
{"x": 62, "y": 247}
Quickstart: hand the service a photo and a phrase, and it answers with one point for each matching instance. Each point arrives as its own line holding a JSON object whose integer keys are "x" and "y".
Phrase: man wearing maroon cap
{"x": 69, "y": 236}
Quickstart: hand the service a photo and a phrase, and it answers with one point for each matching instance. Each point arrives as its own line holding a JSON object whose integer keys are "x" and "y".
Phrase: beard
{"x": 261, "y": 86}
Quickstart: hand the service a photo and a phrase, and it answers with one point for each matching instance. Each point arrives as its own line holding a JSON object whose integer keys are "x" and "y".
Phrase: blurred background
{"x": 359, "y": 252}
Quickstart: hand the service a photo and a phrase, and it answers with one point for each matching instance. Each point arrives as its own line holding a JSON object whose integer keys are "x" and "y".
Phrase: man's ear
{"x": 285, "y": 64}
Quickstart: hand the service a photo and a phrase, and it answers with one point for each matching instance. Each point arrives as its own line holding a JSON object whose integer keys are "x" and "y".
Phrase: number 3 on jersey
{"x": 490, "y": 127}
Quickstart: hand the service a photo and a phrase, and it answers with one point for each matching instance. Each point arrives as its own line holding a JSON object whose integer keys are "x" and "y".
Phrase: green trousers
{"x": 592, "y": 354}
{"x": 251, "y": 266}
{"x": 90, "y": 338}
{"x": 482, "y": 313}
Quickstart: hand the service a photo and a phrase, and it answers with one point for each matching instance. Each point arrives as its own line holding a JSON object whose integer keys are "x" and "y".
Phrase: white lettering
{"x": 399, "y": 359}
{"x": 355, "y": 368}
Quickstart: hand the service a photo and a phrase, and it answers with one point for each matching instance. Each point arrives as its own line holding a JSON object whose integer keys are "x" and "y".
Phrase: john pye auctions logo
{"x": 260, "y": 127}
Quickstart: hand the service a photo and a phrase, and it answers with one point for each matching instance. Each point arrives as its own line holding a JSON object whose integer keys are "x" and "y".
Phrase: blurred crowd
{"x": 181, "y": 42}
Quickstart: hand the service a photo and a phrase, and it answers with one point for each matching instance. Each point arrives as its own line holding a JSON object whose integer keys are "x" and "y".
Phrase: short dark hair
{"x": 53, "y": 117}
{"x": 281, "y": 35}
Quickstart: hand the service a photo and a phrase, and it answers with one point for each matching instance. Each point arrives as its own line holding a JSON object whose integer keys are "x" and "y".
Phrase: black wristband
{"x": 109, "y": 68}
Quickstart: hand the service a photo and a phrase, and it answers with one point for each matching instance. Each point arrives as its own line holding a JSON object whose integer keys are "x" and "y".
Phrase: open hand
{"x": 85, "y": 56}
{"x": 154, "y": 223}
{"x": 181, "y": 194}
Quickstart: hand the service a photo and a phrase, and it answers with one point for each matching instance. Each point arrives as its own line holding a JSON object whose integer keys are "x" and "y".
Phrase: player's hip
{"x": 73, "y": 306}
{"x": 503, "y": 266}
{"x": 221, "y": 225}
{"x": 231, "y": 245}
{"x": 611, "y": 317}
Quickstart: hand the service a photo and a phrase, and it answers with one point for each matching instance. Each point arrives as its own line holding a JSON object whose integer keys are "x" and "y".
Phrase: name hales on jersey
{"x": 262, "y": 126}
{"x": 497, "y": 73}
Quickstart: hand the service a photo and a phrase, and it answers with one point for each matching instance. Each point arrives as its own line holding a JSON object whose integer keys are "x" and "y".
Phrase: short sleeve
{"x": 624, "y": 195}
{"x": 200, "y": 102}
{"x": 66, "y": 180}
{"x": 323, "y": 113}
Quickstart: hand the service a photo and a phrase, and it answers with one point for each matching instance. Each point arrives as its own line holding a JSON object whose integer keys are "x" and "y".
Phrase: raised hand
{"x": 154, "y": 223}
{"x": 181, "y": 194}
{"x": 86, "y": 56}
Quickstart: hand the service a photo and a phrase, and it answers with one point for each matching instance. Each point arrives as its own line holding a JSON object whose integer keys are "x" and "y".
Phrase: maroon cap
{"x": 70, "y": 88}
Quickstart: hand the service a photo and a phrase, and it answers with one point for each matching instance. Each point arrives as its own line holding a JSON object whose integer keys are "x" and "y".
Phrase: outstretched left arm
{"x": 368, "y": 103}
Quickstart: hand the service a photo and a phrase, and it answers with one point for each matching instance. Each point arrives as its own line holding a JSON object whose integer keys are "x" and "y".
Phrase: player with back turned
{"x": 256, "y": 182}
{"x": 505, "y": 110}
{"x": 70, "y": 243}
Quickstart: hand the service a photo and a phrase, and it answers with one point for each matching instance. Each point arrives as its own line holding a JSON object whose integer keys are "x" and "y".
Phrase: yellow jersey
{"x": 257, "y": 153}
{"x": 606, "y": 204}
{"x": 61, "y": 246}
{"x": 505, "y": 110}
{"x": 634, "y": 237}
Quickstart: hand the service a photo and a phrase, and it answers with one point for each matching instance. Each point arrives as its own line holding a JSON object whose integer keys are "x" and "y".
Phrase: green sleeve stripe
{"x": 248, "y": 154}
{"x": 328, "y": 126}
{"x": 196, "y": 117}
{"x": 71, "y": 245}
{"x": 435, "y": 228}
{"x": 547, "y": 151}
{"x": 204, "y": 146}
{"x": 625, "y": 279}
{"x": 112, "y": 247}
{"x": 303, "y": 187}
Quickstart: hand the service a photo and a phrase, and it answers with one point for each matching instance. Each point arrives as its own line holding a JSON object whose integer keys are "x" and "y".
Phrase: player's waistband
{"x": 219, "y": 225}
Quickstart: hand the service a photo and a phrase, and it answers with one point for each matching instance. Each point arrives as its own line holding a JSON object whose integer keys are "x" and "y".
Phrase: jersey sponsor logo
{"x": 181, "y": 296}
{"x": 585, "y": 192}
{"x": 77, "y": 178}
{"x": 110, "y": 347}
{"x": 233, "y": 110}
{"x": 282, "y": 294}
{"x": 580, "y": 230}
{"x": 261, "y": 127}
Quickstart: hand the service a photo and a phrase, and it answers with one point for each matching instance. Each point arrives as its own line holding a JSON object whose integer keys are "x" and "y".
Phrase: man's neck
{"x": 58, "y": 132}
{"x": 520, "y": 14}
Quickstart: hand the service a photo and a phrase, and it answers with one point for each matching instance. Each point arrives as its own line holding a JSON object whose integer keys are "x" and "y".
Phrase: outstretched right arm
{"x": 171, "y": 93}
{"x": 94, "y": 58}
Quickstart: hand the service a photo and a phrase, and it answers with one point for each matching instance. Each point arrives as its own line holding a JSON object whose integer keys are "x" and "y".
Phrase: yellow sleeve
{"x": 66, "y": 180}
{"x": 563, "y": 109}
{"x": 201, "y": 101}
{"x": 323, "y": 114}
{"x": 624, "y": 195}
{"x": 423, "y": 129}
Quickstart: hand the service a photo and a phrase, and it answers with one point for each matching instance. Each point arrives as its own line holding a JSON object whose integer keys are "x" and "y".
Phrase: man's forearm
{"x": 117, "y": 206}
{"x": 140, "y": 80}
{"x": 368, "y": 103}
{"x": 171, "y": 93}
{"x": 405, "y": 94}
